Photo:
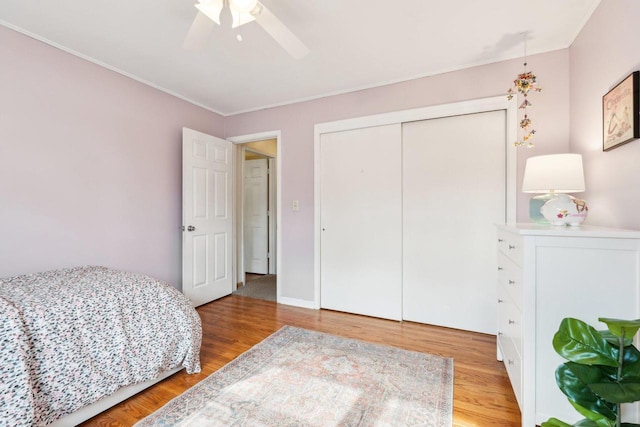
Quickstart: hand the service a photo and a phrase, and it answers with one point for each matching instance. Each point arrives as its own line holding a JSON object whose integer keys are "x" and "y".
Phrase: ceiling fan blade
{"x": 211, "y": 8}
{"x": 276, "y": 29}
{"x": 198, "y": 33}
{"x": 241, "y": 18}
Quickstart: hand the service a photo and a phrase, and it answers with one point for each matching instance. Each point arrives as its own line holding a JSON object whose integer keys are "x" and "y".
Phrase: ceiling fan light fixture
{"x": 242, "y": 12}
{"x": 211, "y": 8}
{"x": 243, "y": 6}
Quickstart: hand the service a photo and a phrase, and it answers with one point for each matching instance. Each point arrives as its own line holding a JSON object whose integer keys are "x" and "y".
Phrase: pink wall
{"x": 90, "y": 160}
{"x": 90, "y": 164}
{"x": 604, "y": 53}
{"x": 296, "y": 122}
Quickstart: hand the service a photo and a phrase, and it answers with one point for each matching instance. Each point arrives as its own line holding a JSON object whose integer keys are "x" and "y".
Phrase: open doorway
{"x": 256, "y": 219}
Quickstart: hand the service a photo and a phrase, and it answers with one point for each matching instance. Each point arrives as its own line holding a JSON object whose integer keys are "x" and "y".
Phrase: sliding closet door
{"x": 454, "y": 183}
{"x": 361, "y": 221}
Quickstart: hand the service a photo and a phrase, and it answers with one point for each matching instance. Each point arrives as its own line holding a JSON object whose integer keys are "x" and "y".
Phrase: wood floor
{"x": 232, "y": 325}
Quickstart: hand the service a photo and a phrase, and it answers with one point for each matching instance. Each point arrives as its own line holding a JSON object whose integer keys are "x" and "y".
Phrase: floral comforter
{"x": 70, "y": 337}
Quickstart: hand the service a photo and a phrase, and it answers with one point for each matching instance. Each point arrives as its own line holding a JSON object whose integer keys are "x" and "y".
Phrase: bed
{"x": 78, "y": 340}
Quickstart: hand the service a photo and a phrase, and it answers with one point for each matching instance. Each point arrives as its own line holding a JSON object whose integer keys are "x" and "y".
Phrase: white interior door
{"x": 256, "y": 225}
{"x": 273, "y": 213}
{"x": 361, "y": 221}
{"x": 207, "y": 214}
{"x": 454, "y": 192}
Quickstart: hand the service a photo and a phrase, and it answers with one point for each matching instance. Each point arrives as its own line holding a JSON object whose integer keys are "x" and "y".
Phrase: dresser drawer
{"x": 510, "y": 276}
{"x": 513, "y": 364}
{"x": 509, "y": 319}
{"x": 512, "y": 246}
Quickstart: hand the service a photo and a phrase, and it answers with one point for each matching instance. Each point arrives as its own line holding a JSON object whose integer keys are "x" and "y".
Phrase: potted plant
{"x": 602, "y": 372}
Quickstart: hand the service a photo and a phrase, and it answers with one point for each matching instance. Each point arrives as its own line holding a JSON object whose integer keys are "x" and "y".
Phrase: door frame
{"x": 432, "y": 112}
{"x": 239, "y": 194}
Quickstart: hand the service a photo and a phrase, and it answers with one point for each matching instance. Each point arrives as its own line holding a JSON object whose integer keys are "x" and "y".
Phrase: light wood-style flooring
{"x": 231, "y": 325}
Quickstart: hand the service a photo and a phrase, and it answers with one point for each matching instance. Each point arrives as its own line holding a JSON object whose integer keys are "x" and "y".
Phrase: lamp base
{"x": 563, "y": 209}
{"x": 535, "y": 205}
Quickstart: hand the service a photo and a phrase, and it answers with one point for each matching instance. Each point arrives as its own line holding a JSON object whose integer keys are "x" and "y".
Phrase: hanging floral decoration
{"x": 525, "y": 83}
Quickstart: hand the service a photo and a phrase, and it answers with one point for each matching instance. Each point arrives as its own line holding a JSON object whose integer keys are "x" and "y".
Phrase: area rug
{"x": 263, "y": 288}
{"x": 298, "y": 377}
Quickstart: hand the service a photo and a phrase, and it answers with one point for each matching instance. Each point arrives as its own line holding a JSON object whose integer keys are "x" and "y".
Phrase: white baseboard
{"x": 298, "y": 303}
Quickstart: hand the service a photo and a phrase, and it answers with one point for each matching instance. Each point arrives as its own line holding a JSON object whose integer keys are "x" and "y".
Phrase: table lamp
{"x": 552, "y": 176}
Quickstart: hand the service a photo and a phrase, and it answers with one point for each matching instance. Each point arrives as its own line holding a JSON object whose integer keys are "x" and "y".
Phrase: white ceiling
{"x": 354, "y": 44}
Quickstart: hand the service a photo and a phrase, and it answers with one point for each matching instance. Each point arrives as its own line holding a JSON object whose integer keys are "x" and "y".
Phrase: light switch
{"x": 296, "y": 205}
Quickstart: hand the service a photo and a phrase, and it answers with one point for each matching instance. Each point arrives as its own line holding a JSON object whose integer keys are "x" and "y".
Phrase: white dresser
{"x": 544, "y": 275}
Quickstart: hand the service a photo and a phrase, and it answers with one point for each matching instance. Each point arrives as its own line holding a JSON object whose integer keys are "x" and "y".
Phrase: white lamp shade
{"x": 554, "y": 173}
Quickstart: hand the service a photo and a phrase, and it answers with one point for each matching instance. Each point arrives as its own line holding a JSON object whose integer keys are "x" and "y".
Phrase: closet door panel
{"x": 453, "y": 194}
{"x": 361, "y": 220}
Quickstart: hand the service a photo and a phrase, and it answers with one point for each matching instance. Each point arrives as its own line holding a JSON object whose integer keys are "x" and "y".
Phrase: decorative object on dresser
{"x": 602, "y": 372}
{"x": 544, "y": 275}
{"x": 300, "y": 377}
{"x": 620, "y": 111}
{"x": 552, "y": 176}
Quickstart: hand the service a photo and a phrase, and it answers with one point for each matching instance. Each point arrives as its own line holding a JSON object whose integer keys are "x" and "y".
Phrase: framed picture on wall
{"x": 620, "y": 109}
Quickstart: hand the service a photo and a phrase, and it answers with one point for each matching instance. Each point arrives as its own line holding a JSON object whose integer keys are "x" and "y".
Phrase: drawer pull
{"x": 500, "y": 268}
{"x": 511, "y": 322}
{"x": 511, "y": 247}
{"x": 500, "y": 301}
{"x": 512, "y": 282}
{"x": 500, "y": 240}
{"x": 500, "y": 334}
{"x": 510, "y": 361}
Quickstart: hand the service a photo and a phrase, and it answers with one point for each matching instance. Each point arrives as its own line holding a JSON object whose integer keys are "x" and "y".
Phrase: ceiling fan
{"x": 242, "y": 12}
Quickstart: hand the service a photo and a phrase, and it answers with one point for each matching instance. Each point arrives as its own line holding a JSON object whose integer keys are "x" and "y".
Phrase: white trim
{"x": 242, "y": 139}
{"x": 423, "y": 113}
{"x": 273, "y": 208}
{"x": 316, "y": 216}
{"x": 238, "y": 218}
{"x": 435, "y": 72}
{"x": 108, "y": 67}
{"x": 291, "y": 101}
{"x": 297, "y": 302}
{"x": 512, "y": 160}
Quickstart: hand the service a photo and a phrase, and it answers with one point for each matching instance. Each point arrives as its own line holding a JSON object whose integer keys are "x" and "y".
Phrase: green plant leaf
{"x": 589, "y": 423}
{"x": 581, "y": 343}
{"x": 613, "y": 340}
{"x": 573, "y": 379}
{"x": 617, "y": 392}
{"x": 630, "y": 366}
{"x": 554, "y": 422}
{"x": 620, "y": 327}
{"x": 599, "y": 420}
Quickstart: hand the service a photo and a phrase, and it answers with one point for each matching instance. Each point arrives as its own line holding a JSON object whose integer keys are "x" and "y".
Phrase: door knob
{"x": 191, "y": 228}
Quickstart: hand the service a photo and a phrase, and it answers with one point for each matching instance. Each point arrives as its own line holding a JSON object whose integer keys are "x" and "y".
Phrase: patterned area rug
{"x": 297, "y": 377}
